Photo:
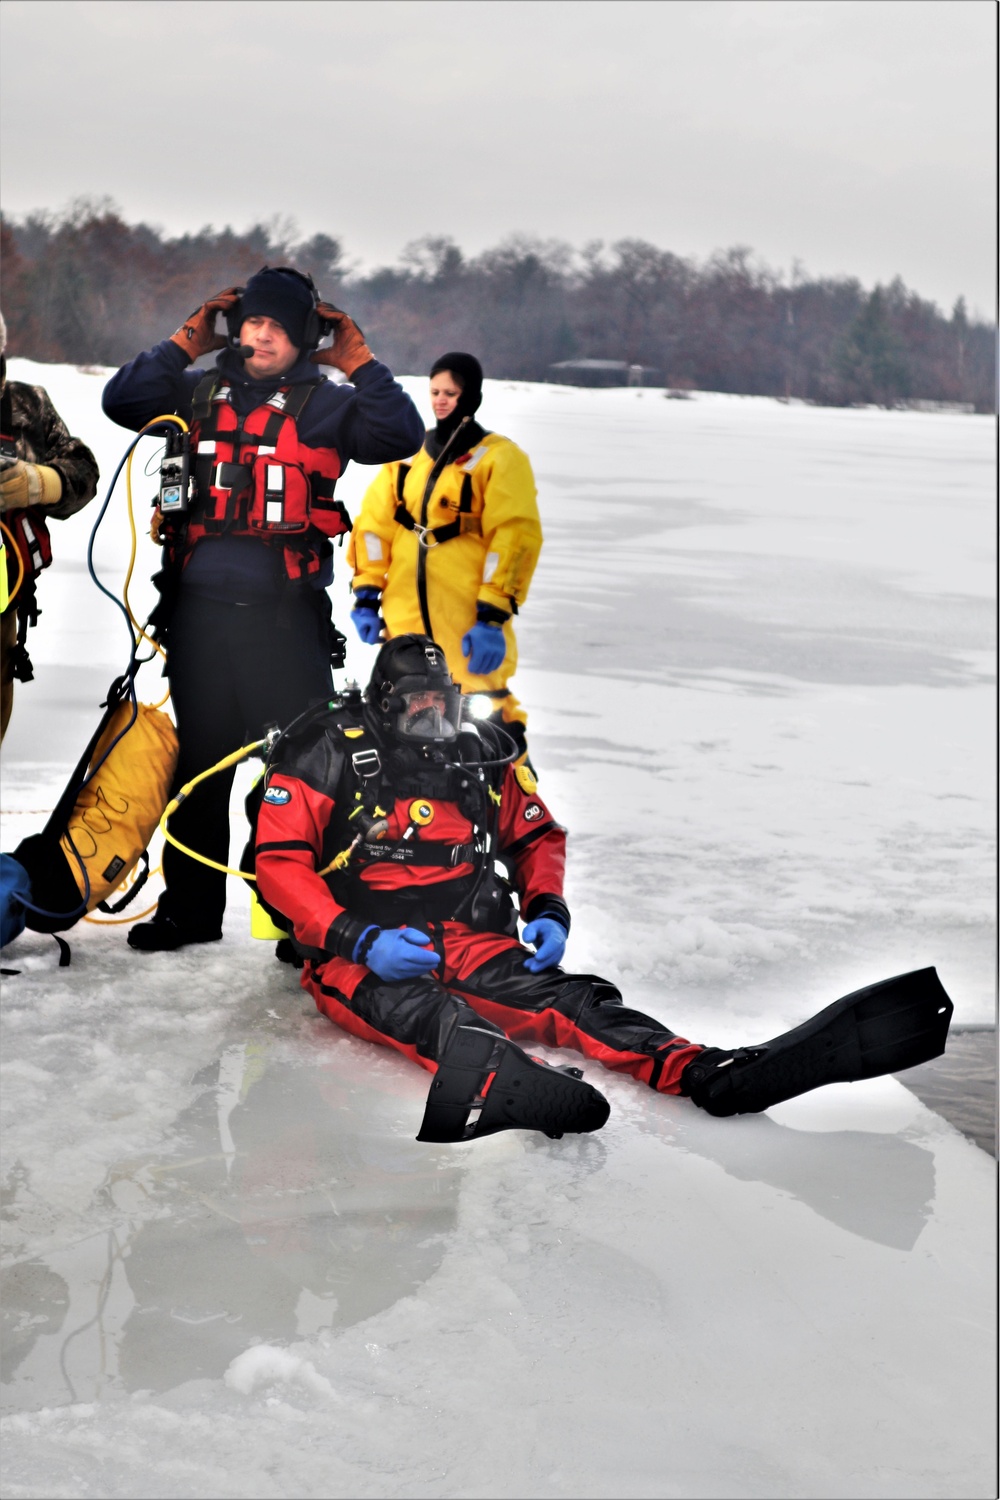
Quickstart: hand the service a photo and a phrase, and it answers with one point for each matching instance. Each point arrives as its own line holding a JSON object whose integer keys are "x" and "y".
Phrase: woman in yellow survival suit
{"x": 446, "y": 543}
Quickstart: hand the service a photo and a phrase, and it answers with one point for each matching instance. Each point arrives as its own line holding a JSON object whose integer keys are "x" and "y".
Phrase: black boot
{"x": 163, "y": 935}
{"x": 884, "y": 1028}
{"x": 484, "y": 1083}
{"x": 286, "y": 952}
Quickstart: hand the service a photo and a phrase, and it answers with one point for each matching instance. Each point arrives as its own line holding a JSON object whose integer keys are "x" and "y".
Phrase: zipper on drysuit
{"x": 440, "y": 464}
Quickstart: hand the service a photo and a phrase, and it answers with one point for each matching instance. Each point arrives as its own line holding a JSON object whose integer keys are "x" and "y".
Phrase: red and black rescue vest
{"x": 255, "y": 477}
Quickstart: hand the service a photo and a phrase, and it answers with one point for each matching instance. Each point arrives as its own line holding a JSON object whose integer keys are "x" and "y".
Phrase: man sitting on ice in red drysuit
{"x": 380, "y": 820}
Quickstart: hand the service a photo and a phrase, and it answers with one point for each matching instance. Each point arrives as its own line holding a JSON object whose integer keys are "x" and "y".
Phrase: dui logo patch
{"x": 421, "y": 813}
{"x": 532, "y": 812}
{"x": 277, "y": 796}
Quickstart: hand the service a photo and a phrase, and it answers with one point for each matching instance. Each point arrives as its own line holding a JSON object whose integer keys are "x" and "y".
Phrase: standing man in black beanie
{"x": 446, "y": 543}
{"x": 244, "y": 612}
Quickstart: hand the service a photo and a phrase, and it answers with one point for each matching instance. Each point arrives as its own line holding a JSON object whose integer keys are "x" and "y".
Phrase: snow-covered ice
{"x": 758, "y": 663}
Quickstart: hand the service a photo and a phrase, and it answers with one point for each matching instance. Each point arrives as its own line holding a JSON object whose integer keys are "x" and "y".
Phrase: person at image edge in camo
{"x": 45, "y": 475}
{"x": 446, "y": 544}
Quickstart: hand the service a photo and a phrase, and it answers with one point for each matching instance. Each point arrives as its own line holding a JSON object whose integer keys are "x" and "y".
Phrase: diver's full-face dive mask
{"x": 412, "y": 694}
{"x": 428, "y": 715}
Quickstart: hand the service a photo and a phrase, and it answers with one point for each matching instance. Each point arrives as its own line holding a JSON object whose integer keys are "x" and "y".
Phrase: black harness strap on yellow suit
{"x": 439, "y": 533}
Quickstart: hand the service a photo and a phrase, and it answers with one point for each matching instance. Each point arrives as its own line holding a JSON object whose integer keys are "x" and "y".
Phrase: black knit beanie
{"x": 470, "y": 373}
{"x": 281, "y": 294}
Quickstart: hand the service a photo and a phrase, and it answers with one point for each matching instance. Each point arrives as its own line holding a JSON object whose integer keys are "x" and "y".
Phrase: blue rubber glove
{"x": 368, "y": 623}
{"x": 396, "y": 953}
{"x": 485, "y": 647}
{"x": 15, "y": 885}
{"x": 367, "y": 620}
{"x": 548, "y": 938}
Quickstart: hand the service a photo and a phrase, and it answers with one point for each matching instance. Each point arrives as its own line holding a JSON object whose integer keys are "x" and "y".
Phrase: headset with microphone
{"x": 316, "y": 327}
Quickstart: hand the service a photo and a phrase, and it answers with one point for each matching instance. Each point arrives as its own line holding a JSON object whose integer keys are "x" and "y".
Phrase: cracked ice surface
{"x": 756, "y": 658}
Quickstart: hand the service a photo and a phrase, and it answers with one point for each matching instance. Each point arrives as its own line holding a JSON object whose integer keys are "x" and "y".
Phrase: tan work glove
{"x": 197, "y": 335}
{"x": 348, "y": 352}
{"x": 24, "y": 484}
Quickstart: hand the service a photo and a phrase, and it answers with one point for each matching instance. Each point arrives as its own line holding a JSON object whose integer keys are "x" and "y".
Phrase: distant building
{"x": 939, "y": 405}
{"x": 601, "y": 372}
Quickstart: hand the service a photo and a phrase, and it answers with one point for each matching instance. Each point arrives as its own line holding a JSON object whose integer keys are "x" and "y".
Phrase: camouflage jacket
{"x": 42, "y": 437}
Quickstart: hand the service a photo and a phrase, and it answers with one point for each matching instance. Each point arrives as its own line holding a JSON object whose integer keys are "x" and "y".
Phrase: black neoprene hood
{"x": 281, "y": 294}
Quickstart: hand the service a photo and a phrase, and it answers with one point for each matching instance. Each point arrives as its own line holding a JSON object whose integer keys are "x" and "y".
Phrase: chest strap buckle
{"x": 366, "y": 763}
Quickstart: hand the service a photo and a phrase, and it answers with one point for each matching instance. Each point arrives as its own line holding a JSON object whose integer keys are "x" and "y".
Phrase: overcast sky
{"x": 857, "y": 138}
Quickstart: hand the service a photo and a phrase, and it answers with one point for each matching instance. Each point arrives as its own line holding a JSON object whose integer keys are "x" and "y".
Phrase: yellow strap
{"x": 20, "y": 565}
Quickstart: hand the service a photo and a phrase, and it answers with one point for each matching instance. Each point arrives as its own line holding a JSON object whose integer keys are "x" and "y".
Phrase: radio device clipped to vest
{"x": 175, "y": 474}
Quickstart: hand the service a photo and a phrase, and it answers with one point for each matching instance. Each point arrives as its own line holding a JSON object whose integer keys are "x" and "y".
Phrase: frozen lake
{"x": 758, "y": 663}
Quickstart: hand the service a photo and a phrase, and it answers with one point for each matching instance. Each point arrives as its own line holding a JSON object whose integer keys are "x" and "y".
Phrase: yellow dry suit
{"x": 441, "y": 536}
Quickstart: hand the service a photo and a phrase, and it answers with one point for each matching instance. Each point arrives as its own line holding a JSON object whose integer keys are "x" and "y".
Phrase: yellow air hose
{"x": 228, "y": 760}
{"x": 143, "y": 635}
{"x": 166, "y": 417}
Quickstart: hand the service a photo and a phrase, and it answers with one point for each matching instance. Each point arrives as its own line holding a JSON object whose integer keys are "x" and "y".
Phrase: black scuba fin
{"x": 883, "y": 1028}
{"x": 484, "y": 1083}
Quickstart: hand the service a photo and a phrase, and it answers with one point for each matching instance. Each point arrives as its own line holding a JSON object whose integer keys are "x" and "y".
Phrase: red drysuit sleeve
{"x": 533, "y": 846}
{"x": 290, "y": 828}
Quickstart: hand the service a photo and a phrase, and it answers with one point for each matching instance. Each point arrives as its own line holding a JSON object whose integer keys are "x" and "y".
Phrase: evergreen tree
{"x": 871, "y": 361}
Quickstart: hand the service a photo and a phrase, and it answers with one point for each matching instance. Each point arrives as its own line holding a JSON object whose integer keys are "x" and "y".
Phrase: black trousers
{"x": 235, "y": 669}
{"x": 482, "y": 981}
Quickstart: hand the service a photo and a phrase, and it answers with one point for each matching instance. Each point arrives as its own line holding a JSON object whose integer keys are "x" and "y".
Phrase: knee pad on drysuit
{"x": 484, "y": 1083}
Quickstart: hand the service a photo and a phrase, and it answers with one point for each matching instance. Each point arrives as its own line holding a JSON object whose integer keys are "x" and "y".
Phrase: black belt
{"x": 443, "y": 855}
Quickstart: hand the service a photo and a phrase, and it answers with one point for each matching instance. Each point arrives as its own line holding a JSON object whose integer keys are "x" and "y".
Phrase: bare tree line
{"x": 85, "y": 287}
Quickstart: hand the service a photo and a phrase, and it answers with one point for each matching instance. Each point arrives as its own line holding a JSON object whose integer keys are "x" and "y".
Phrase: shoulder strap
{"x": 288, "y": 402}
{"x": 201, "y": 401}
{"x": 297, "y": 397}
{"x": 361, "y": 754}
